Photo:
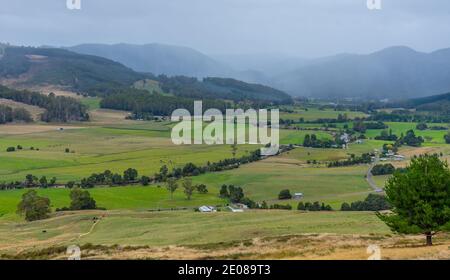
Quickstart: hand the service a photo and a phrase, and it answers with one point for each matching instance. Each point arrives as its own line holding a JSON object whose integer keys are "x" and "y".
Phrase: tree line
{"x": 57, "y": 108}
{"x": 352, "y": 160}
{"x": 313, "y": 142}
{"x": 373, "y": 202}
{"x": 222, "y": 88}
{"x": 8, "y": 114}
{"x": 408, "y": 116}
{"x": 383, "y": 169}
{"x": 140, "y": 102}
{"x": 131, "y": 176}
{"x": 34, "y": 207}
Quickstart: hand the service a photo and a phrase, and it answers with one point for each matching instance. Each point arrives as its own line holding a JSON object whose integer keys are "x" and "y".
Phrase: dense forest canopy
{"x": 8, "y": 114}
{"x": 222, "y": 88}
{"x": 140, "y": 101}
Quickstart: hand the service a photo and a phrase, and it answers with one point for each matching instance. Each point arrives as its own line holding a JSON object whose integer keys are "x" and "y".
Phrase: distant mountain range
{"x": 395, "y": 72}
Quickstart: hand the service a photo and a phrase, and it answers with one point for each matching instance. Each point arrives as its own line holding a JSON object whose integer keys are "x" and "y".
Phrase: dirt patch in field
{"x": 106, "y": 116}
{"x": 57, "y": 90}
{"x": 20, "y": 83}
{"x": 324, "y": 246}
{"x": 410, "y": 152}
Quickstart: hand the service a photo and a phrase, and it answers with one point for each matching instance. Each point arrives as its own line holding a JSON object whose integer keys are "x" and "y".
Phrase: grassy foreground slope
{"x": 180, "y": 228}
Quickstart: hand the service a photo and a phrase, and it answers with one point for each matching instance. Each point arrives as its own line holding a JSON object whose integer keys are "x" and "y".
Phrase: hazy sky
{"x": 305, "y": 28}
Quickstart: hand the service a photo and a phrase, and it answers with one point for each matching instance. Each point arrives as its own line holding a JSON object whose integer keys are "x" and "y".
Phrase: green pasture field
{"x": 91, "y": 103}
{"x": 145, "y": 146}
{"x": 315, "y": 113}
{"x": 261, "y": 180}
{"x": 368, "y": 146}
{"x": 96, "y": 149}
{"x": 322, "y": 125}
{"x": 436, "y": 136}
{"x": 180, "y": 228}
{"x": 265, "y": 179}
{"x": 296, "y": 137}
{"x": 381, "y": 180}
{"x": 129, "y": 197}
{"x": 304, "y": 154}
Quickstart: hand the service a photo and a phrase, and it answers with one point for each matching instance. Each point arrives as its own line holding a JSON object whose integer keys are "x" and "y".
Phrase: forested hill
{"x": 83, "y": 73}
{"x": 97, "y": 76}
{"x": 438, "y": 103}
{"x": 222, "y": 88}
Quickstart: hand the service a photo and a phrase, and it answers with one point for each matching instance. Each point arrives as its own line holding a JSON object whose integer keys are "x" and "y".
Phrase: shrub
{"x": 264, "y": 205}
{"x": 447, "y": 138}
{"x": 284, "y": 194}
{"x": 224, "y": 192}
{"x": 202, "y": 189}
{"x": 281, "y": 207}
{"x": 316, "y": 206}
{"x": 345, "y": 207}
{"x": 383, "y": 169}
{"x": 10, "y": 149}
{"x": 130, "y": 175}
{"x": 145, "y": 181}
{"x": 422, "y": 126}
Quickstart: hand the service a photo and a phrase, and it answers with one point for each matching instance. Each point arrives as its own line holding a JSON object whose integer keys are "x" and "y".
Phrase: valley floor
{"x": 134, "y": 227}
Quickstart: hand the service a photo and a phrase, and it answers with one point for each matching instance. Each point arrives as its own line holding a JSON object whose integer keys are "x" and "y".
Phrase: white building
{"x": 297, "y": 195}
{"x": 207, "y": 209}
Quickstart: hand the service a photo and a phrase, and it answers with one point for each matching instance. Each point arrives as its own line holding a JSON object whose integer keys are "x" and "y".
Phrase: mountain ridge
{"x": 394, "y": 72}
{"x": 158, "y": 59}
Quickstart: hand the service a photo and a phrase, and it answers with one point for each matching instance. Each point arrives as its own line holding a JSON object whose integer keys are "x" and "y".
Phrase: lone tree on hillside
{"x": 33, "y": 207}
{"x": 172, "y": 186}
{"x": 420, "y": 198}
{"x": 188, "y": 187}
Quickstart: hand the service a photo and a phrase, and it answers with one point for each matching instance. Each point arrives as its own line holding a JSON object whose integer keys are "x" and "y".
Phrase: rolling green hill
{"x": 439, "y": 103}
